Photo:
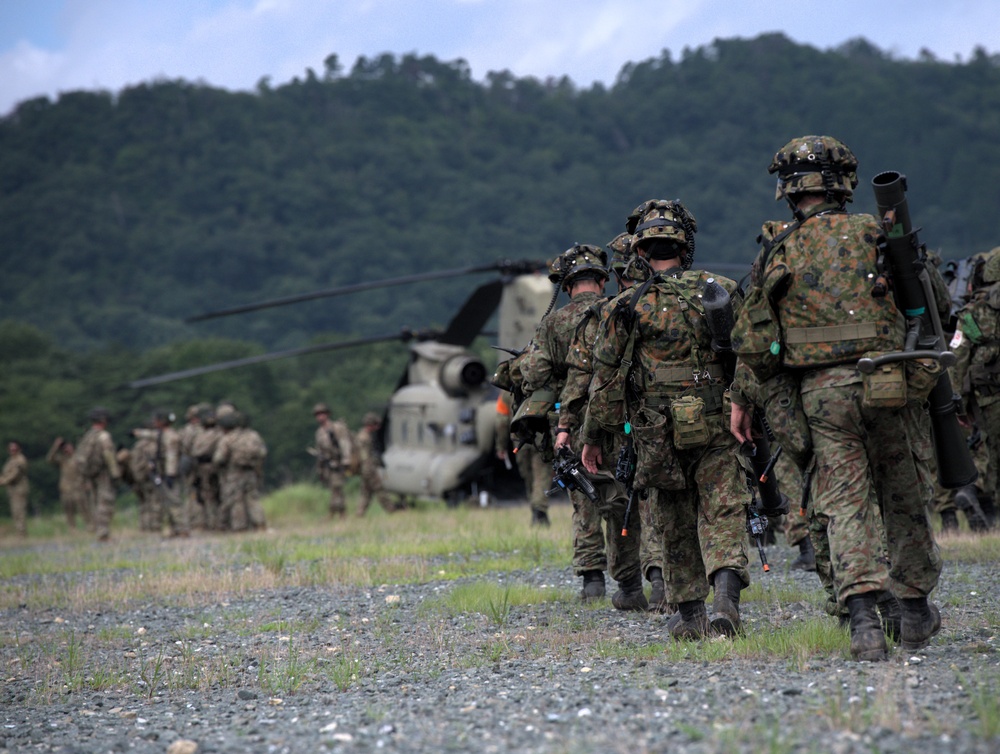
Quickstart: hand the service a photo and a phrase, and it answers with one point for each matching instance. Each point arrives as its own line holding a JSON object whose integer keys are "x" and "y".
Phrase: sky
{"x": 53, "y": 46}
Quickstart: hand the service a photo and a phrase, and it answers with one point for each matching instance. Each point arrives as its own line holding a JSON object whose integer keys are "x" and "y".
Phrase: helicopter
{"x": 437, "y": 436}
{"x": 437, "y": 433}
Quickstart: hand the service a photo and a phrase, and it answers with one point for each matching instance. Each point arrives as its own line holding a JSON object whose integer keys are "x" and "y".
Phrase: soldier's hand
{"x": 562, "y": 439}
{"x": 739, "y": 424}
{"x": 591, "y": 458}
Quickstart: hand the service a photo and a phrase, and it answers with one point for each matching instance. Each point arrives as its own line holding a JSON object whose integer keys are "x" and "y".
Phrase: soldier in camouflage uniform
{"x": 808, "y": 317}
{"x": 334, "y": 456}
{"x": 537, "y": 474}
{"x": 203, "y": 444}
{"x": 239, "y": 456}
{"x": 189, "y": 467}
{"x": 137, "y": 464}
{"x": 657, "y": 376}
{"x": 581, "y": 272}
{"x": 14, "y": 476}
{"x": 95, "y": 456}
{"x": 368, "y": 465}
{"x": 72, "y": 488}
{"x": 976, "y": 343}
{"x": 163, "y": 481}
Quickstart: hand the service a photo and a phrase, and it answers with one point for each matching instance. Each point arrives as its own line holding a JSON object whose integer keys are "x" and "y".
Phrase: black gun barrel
{"x": 903, "y": 255}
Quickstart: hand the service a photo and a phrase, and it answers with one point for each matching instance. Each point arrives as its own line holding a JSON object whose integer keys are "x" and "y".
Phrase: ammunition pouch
{"x": 921, "y": 377}
{"x": 657, "y": 464}
{"x": 886, "y": 386}
{"x": 691, "y": 430}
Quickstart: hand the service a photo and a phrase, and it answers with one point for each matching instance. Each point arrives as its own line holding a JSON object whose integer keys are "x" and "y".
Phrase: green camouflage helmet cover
{"x": 578, "y": 261}
{"x": 621, "y": 251}
{"x": 815, "y": 165}
{"x": 667, "y": 220}
{"x": 991, "y": 265}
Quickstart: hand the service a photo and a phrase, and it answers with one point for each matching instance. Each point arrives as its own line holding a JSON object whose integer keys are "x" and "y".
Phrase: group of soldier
{"x": 666, "y": 392}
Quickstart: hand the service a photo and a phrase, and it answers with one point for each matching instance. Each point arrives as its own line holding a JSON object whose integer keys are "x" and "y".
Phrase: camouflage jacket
{"x": 672, "y": 353}
{"x": 70, "y": 478}
{"x": 241, "y": 448}
{"x": 203, "y": 443}
{"x": 364, "y": 447}
{"x": 166, "y": 447}
{"x": 977, "y": 345}
{"x": 334, "y": 446}
{"x": 15, "y": 473}
{"x": 95, "y": 455}
{"x": 544, "y": 364}
{"x": 817, "y": 277}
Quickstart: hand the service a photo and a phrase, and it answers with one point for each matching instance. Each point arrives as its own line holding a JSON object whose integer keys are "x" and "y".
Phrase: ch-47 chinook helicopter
{"x": 438, "y": 430}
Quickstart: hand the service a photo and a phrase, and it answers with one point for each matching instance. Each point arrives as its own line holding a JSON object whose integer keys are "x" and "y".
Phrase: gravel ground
{"x": 394, "y": 668}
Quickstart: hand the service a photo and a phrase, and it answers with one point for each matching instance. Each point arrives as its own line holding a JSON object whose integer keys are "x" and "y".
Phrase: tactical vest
{"x": 980, "y": 323}
{"x": 820, "y": 279}
{"x": 89, "y": 455}
{"x": 247, "y": 449}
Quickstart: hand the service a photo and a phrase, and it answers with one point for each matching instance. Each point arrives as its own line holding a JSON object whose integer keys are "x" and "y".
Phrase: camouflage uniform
{"x": 537, "y": 474}
{"x": 95, "y": 456}
{"x": 203, "y": 445}
{"x": 239, "y": 456}
{"x": 334, "y": 457}
{"x": 194, "y": 509}
{"x": 72, "y": 488}
{"x": 163, "y": 482}
{"x": 139, "y": 473}
{"x": 544, "y": 364}
{"x": 368, "y": 465}
{"x": 809, "y": 316}
{"x": 703, "y": 507}
{"x": 14, "y": 477}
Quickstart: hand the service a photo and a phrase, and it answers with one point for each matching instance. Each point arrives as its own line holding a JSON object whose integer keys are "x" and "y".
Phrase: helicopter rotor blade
{"x": 504, "y": 266}
{"x": 403, "y": 336}
{"x": 474, "y": 314}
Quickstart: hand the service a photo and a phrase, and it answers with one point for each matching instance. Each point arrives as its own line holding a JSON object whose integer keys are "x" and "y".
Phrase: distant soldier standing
{"x": 164, "y": 473}
{"x": 334, "y": 454}
{"x": 72, "y": 488}
{"x": 189, "y": 468}
{"x": 14, "y": 477}
{"x": 239, "y": 456}
{"x": 95, "y": 456}
{"x": 536, "y": 474}
{"x": 137, "y": 465}
{"x": 368, "y": 464}
{"x": 203, "y": 445}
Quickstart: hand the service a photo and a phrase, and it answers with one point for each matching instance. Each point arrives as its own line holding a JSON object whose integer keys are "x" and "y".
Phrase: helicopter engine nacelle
{"x": 461, "y": 374}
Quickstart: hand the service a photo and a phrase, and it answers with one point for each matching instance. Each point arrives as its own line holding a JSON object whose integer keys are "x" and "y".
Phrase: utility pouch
{"x": 690, "y": 428}
{"x": 886, "y": 386}
{"x": 782, "y": 404}
{"x": 656, "y": 464}
{"x": 921, "y": 377}
{"x": 756, "y": 337}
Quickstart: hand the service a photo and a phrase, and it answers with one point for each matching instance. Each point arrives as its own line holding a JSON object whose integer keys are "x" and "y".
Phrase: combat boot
{"x": 892, "y": 615}
{"x": 726, "y": 604}
{"x": 593, "y": 586}
{"x": 690, "y": 621}
{"x": 658, "y": 597}
{"x": 867, "y": 638}
{"x": 967, "y": 500}
{"x": 921, "y": 621}
{"x": 630, "y": 595}
{"x": 806, "y": 561}
{"x": 949, "y": 521}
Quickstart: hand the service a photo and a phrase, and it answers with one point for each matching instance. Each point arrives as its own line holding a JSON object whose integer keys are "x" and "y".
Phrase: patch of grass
{"x": 495, "y": 601}
{"x": 985, "y": 704}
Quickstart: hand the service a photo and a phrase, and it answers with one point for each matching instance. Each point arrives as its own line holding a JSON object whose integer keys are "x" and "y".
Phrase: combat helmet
{"x": 321, "y": 408}
{"x": 663, "y": 229}
{"x": 579, "y": 261}
{"x": 99, "y": 413}
{"x": 371, "y": 419}
{"x": 815, "y": 165}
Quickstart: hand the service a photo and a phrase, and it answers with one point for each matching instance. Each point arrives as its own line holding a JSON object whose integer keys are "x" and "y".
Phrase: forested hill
{"x": 120, "y": 214}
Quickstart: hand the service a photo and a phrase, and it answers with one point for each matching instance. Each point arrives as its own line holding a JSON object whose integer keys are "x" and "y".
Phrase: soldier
{"x": 368, "y": 465}
{"x": 95, "y": 456}
{"x": 137, "y": 470}
{"x": 163, "y": 474}
{"x": 72, "y": 489}
{"x": 203, "y": 444}
{"x": 334, "y": 456}
{"x": 239, "y": 456}
{"x": 195, "y": 510}
{"x": 657, "y": 377}
{"x": 14, "y": 476}
{"x": 808, "y": 317}
{"x": 581, "y": 271}
{"x": 537, "y": 474}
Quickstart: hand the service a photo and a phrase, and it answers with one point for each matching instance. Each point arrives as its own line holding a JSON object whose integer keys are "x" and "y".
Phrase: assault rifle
{"x": 625, "y": 473}
{"x": 904, "y": 260}
{"x": 569, "y": 474}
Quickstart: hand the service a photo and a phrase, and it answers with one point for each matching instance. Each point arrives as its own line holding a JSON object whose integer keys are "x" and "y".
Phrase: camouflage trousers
{"x": 203, "y": 503}
{"x": 704, "y": 525}
{"x": 537, "y": 476}
{"x": 371, "y": 486}
{"x": 866, "y": 458}
{"x": 588, "y": 535}
{"x": 651, "y": 534}
{"x": 167, "y": 500}
{"x": 18, "y": 500}
{"x": 623, "y": 551}
{"x": 240, "y": 506}
{"x": 76, "y": 501}
{"x": 334, "y": 480}
{"x": 103, "y": 505}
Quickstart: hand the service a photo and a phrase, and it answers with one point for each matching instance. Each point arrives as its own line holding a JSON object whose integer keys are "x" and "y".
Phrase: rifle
{"x": 569, "y": 474}
{"x": 904, "y": 258}
{"x": 625, "y": 473}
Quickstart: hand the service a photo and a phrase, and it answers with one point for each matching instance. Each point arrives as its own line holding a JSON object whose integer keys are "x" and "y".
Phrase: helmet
{"x": 229, "y": 419}
{"x": 577, "y": 262}
{"x": 991, "y": 267}
{"x": 99, "y": 413}
{"x": 321, "y": 408}
{"x": 370, "y": 419}
{"x": 815, "y": 165}
{"x": 162, "y": 415}
{"x": 207, "y": 414}
{"x": 621, "y": 250}
{"x": 661, "y": 220}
